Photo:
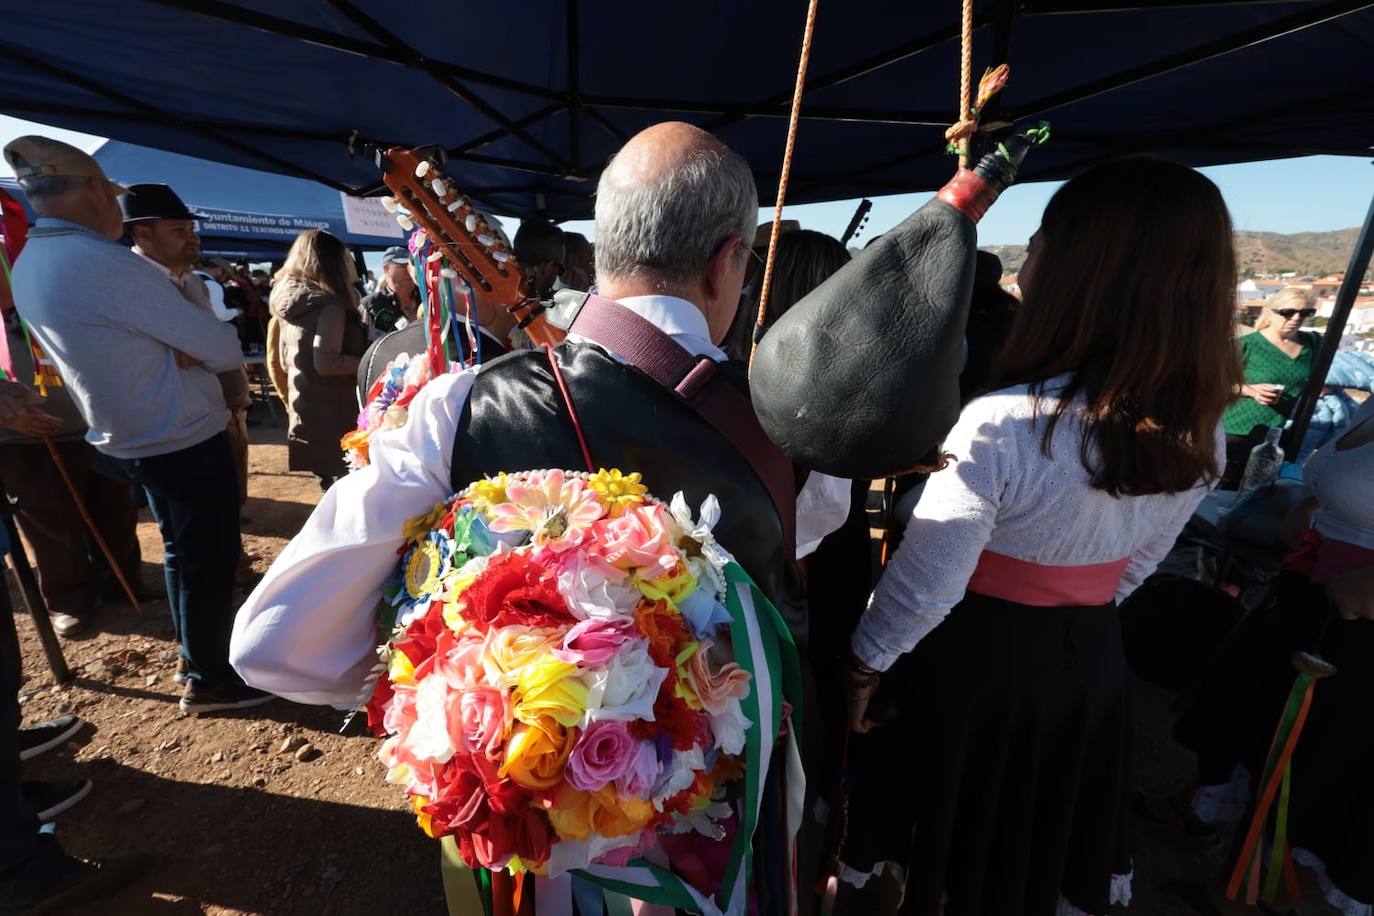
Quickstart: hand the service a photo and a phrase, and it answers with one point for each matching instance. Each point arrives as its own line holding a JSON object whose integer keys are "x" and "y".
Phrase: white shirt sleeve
{"x": 822, "y": 507}
{"x": 944, "y": 539}
{"x": 309, "y": 630}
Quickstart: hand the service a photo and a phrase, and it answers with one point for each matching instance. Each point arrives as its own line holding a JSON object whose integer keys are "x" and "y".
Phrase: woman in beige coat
{"x": 321, "y": 338}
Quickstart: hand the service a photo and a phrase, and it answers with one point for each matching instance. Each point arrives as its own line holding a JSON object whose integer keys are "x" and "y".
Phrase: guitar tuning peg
{"x": 455, "y": 206}
{"x": 450, "y": 273}
{"x": 389, "y": 203}
{"x": 435, "y": 256}
{"x": 485, "y": 239}
{"x": 501, "y": 256}
{"x": 404, "y": 222}
{"x": 422, "y": 168}
{"x": 471, "y": 222}
{"x": 439, "y": 187}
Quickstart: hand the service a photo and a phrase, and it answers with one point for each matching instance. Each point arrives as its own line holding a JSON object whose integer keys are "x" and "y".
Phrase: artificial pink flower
{"x": 592, "y": 643}
{"x": 641, "y": 773}
{"x": 603, "y": 751}
{"x": 558, "y": 511}
{"x": 638, "y": 539}
{"x": 484, "y": 721}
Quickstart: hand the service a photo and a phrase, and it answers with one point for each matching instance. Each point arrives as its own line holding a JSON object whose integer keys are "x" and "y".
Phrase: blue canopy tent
{"x": 530, "y": 98}
{"x": 246, "y": 213}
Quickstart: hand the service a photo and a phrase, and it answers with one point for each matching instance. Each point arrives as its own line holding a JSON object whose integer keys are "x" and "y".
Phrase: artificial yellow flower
{"x": 536, "y": 753}
{"x": 422, "y": 570}
{"x": 400, "y": 670}
{"x": 672, "y": 588}
{"x": 576, "y": 814}
{"x": 417, "y": 802}
{"x": 489, "y": 492}
{"x": 686, "y": 686}
{"x": 550, "y": 688}
{"x": 453, "y": 587}
{"x": 618, "y": 491}
{"x": 421, "y": 525}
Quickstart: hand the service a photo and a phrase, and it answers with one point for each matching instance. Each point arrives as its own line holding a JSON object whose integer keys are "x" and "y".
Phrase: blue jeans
{"x": 194, "y": 495}
{"x": 31, "y": 862}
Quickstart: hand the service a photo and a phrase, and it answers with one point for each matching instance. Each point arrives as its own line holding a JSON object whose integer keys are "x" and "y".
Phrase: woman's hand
{"x": 860, "y": 683}
{"x": 1268, "y": 395}
{"x": 1353, "y": 594}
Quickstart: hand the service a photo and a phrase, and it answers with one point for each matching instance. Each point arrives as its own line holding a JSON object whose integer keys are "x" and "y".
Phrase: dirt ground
{"x": 240, "y": 826}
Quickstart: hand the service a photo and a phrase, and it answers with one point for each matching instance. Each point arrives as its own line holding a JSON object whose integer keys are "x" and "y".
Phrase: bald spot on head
{"x": 657, "y": 150}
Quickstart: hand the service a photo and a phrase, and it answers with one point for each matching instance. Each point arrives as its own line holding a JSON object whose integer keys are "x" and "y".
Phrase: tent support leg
{"x": 1331, "y": 340}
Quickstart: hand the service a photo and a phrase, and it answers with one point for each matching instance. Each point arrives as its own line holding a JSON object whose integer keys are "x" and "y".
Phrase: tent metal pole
{"x": 1331, "y": 340}
{"x": 447, "y": 80}
{"x": 1314, "y": 15}
{"x": 286, "y": 28}
{"x": 157, "y": 114}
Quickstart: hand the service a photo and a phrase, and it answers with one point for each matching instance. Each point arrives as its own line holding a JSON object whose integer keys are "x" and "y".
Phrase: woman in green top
{"x": 1278, "y": 360}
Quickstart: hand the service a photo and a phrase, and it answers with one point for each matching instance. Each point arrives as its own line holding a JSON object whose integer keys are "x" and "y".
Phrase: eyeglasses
{"x": 1289, "y": 313}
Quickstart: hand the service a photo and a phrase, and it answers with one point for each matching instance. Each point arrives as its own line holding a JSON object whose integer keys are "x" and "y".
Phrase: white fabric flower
{"x": 428, "y": 738}
{"x": 590, "y": 594}
{"x": 625, "y": 689}
{"x": 729, "y": 728}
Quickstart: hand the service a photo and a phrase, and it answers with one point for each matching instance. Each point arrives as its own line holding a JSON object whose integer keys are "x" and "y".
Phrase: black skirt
{"x": 1000, "y": 781}
{"x": 1233, "y": 717}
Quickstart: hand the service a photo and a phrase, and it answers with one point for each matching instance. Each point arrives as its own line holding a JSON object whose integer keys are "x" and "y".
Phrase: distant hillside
{"x": 1312, "y": 254}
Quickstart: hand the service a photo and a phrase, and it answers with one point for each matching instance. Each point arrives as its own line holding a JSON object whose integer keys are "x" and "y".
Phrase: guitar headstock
{"x": 427, "y": 198}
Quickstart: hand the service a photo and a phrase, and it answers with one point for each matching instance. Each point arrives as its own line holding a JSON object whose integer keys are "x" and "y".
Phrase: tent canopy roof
{"x": 531, "y": 98}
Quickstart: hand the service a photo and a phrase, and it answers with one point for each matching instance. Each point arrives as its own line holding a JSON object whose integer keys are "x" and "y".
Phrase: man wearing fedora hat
{"x": 163, "y": 230}
{"x": 140, "y": 366}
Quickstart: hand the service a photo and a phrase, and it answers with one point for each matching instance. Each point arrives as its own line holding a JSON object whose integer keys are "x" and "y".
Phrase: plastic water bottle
{"x": 1265, "y": 461}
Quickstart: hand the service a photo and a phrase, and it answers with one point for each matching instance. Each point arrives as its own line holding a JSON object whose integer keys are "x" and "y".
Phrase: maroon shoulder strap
{"x": 644, "y": 346}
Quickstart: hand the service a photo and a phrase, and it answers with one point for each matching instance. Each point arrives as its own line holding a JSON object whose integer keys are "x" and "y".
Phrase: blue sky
{"x": 1312, "y": 194}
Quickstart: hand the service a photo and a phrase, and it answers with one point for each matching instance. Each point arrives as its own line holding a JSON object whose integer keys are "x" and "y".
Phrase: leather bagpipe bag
{"x": 860, "y": 379}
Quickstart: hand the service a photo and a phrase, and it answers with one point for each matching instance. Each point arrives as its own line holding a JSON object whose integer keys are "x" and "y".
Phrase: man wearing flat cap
{"x": 164, "y": 234}
{"x": 141, "y": 367}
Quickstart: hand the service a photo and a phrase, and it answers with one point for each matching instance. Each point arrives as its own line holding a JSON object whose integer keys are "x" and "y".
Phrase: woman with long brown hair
{"x": 321, "y": 339}
{"x": 1068, "y": 482}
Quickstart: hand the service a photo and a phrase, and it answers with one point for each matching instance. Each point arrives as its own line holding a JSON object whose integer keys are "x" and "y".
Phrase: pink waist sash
{"x": 1001, "y": 576}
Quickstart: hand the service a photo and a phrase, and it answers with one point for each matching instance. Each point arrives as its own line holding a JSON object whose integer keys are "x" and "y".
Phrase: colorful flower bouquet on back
{"x": 578, "y": 678}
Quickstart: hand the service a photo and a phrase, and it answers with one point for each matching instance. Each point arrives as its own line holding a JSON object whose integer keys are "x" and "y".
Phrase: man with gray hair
{"x": 675, "y": 212}
{"x": 141, "y": 368}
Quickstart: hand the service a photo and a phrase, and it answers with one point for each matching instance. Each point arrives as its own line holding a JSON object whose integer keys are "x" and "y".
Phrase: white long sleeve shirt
{"x": 1005, "y": 496}
{"x": 308, "y": 632}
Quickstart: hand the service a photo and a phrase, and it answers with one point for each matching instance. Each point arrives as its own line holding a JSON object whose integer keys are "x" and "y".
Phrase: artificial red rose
{"x": 675, "y": 719}
{"x": 514, "y": 590}
{"x": 526, "y": 833}
{"x": 420, "y": 636}
{"x": 376, "y": 706}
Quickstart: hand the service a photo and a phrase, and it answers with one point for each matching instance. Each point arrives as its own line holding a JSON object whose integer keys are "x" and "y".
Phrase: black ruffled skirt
{"x": 1000, "y": 782}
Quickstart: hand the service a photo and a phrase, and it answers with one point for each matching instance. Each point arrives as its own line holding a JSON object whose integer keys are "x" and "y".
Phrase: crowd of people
{"x": 972, "y": 699}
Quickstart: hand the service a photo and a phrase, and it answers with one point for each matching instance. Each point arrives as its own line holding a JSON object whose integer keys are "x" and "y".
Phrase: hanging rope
{"x": 782, "y": 179}
{"x": 965, "y": 80}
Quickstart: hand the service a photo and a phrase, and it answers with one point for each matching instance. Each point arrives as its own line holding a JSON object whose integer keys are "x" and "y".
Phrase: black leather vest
{"x": 515, "y": 419}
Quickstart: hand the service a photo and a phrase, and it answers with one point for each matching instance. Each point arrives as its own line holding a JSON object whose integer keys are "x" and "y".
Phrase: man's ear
{"x": 718, "y": 267}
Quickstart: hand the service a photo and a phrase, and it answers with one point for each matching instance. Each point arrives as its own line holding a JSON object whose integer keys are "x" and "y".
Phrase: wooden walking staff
{"x": 90, "y": 524}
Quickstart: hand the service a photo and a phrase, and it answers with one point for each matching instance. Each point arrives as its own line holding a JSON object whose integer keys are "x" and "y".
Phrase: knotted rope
{"x": 792, "y": 121}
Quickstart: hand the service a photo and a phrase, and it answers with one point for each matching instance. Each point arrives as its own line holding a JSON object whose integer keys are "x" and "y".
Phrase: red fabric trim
{"x": 1001, "y": 576}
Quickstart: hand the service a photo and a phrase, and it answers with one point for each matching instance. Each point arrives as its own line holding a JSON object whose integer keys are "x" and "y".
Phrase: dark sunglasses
{"x": 1289, "y": 313}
